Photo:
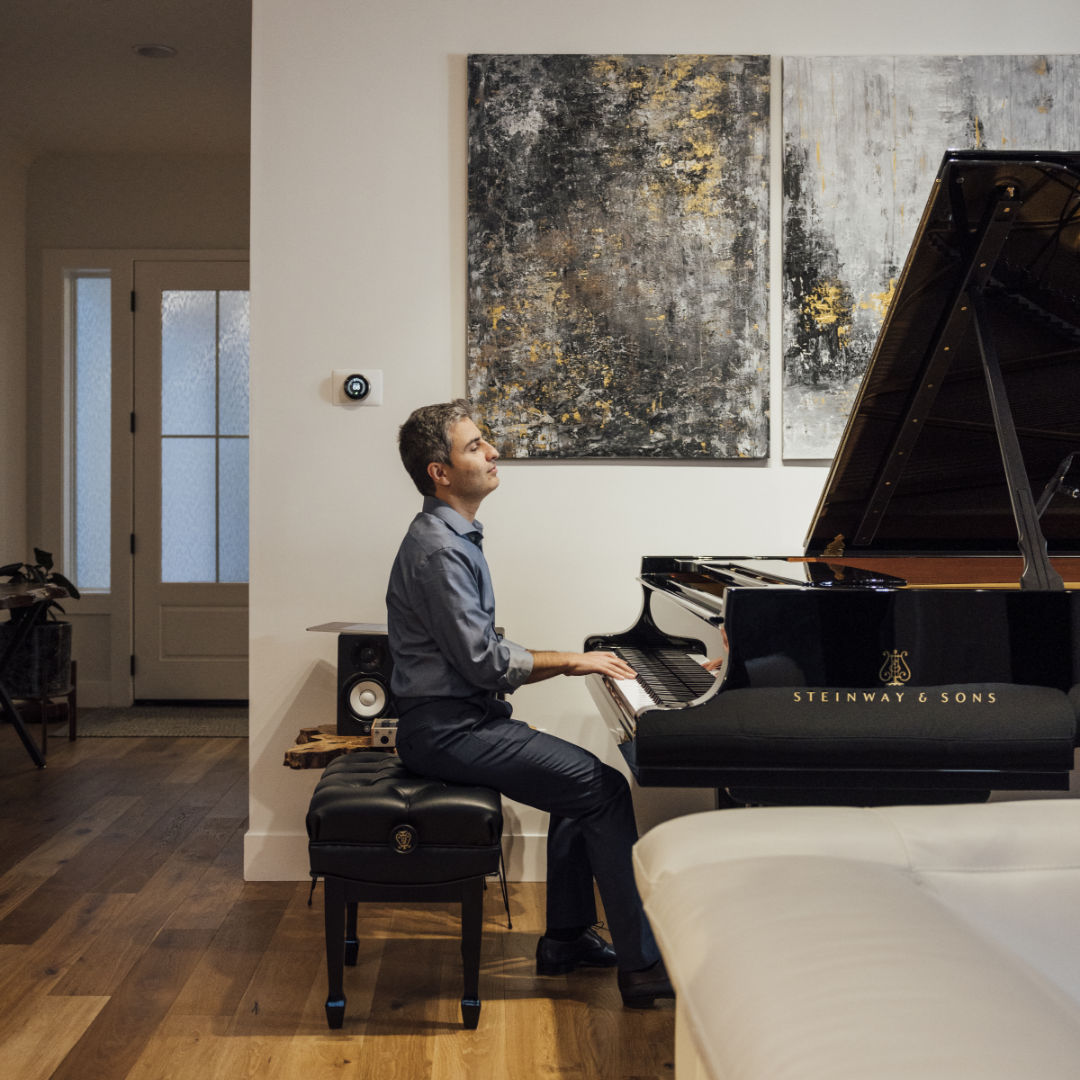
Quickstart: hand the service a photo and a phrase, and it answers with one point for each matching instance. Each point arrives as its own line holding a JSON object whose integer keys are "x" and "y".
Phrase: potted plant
{"x": 42, "y": 666}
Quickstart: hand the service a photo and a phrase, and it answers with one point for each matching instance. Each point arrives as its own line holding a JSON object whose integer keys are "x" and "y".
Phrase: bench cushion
{"x": 372, "y": 820}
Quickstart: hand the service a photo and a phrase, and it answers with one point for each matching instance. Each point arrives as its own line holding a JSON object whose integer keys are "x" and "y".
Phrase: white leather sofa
{"x": 898, "y": 943}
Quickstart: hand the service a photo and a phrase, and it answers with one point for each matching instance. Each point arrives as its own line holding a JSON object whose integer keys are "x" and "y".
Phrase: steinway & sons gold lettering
{"x": 959, "y": 697}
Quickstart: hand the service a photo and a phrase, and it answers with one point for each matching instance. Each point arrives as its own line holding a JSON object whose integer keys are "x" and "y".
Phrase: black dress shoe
{"x": 560, "y": 957}
{"x": 640, "y": 989}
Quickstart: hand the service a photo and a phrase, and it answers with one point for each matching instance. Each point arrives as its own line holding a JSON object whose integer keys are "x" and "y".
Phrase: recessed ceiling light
{"x": 155, "y": 52}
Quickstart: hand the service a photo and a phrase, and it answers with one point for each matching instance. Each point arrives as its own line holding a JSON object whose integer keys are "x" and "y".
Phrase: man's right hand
{"x": 546, "y": 665}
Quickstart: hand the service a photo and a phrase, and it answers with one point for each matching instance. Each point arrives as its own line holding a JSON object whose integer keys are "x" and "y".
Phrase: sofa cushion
{"x": 928, "y": 941}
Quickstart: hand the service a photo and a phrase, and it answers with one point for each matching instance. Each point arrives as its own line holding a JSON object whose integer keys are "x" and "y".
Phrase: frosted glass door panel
{"x": 233, "y": 337}
{"x": 204, "y": 398}
{"x": 233, "y": 510}
{"x": 93, "y": 430}
{"x": 188, "y": 363}
{"x": 188, "y": 510}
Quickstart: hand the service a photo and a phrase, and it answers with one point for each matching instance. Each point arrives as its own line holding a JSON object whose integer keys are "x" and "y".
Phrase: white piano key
{"x": 632, "y": 694}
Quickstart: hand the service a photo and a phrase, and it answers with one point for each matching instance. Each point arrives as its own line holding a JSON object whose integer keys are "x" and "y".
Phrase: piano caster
{"x": 470, "y": 1013}
{"x": 335, "y": 1013}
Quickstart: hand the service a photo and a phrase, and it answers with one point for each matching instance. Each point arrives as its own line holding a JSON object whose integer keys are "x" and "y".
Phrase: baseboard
{"x": 94, "y": 693}
{"x": 284, "y": 857}
{"x": 525, "y": 856}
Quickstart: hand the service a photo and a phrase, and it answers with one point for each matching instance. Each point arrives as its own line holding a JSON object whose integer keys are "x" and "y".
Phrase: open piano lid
{"x": 919, "y": 469}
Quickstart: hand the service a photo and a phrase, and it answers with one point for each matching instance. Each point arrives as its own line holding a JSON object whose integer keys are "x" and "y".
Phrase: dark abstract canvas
{"x": 618, "y": 254}
{"x": 863, "y": 139}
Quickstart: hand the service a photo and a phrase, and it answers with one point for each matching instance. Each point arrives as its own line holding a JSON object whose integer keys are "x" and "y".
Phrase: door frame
{"x": 54, "y": 527}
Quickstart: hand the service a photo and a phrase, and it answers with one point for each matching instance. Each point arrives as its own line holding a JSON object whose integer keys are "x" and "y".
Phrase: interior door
{"x": 191, "y": 481}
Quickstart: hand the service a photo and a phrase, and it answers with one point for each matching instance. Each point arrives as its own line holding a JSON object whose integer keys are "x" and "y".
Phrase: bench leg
{"x": 334, "y": 918}
{"x": 352, "y": 942}
{"x": 472, "y": 926}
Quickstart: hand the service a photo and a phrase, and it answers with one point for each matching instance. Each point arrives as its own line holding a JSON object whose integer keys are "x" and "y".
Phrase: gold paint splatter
{"x": 496, "y": 314}
{"x": 827, "y": 306}
{"x": 879, "y": 302}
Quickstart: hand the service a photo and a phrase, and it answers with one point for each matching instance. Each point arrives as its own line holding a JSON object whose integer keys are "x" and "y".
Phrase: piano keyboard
{"x": 665, "y": 677}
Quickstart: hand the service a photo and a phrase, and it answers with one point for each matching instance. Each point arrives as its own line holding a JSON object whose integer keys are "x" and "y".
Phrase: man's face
{"x": 471, "y": 473}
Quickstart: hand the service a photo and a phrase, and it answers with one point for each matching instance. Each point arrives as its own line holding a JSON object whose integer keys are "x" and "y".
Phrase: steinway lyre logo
{"x": 894, "y": 672}
{"x": 403, "y": 839}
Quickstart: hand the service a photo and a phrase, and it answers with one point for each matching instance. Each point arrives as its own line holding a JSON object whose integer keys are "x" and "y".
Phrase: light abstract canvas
{"x": 618, "y": 254}
{"x": 863, "y": 139}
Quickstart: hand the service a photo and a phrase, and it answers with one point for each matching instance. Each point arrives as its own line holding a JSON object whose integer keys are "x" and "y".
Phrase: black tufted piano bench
{"x": 379, "y": 833}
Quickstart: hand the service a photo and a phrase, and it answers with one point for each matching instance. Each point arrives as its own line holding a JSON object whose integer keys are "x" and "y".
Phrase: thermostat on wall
{"x": 357, "y": 386}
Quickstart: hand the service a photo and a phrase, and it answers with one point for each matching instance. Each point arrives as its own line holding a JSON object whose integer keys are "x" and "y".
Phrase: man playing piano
{"x": 449, "y": 665}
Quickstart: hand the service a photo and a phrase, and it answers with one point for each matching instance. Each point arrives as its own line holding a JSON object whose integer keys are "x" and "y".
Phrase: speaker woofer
{"x": 367, "y": 699}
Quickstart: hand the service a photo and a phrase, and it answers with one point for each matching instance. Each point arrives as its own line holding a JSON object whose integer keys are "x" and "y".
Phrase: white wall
{"x": 14, "y": 163}
{"x": 106, "y": 202}
{"x": 358, "y": 257}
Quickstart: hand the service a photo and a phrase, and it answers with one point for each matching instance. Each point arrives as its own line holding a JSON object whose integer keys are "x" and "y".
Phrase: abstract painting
{"x": 618, "y": 255}
{"x": 863, "y": 140}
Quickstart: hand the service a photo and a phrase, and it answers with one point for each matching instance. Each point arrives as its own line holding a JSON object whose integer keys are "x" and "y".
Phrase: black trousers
{"x": 592, "y": 829}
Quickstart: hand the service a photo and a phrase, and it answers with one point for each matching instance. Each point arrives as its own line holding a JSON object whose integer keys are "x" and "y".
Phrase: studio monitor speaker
{"x": 364, "y": 668}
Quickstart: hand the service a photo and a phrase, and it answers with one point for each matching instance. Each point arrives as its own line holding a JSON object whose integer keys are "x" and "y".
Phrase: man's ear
{"x": 437, "y": 471}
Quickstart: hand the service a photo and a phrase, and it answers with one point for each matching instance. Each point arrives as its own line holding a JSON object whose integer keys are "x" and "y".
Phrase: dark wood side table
{"x": 21, "y": 595}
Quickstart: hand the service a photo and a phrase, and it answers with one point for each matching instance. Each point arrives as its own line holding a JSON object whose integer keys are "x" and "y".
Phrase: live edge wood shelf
{"x": 316, "y": 747}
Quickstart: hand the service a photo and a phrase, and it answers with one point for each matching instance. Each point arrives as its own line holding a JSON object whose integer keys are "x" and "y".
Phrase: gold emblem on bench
{"x": 404, "y": 839}
{"x": 894, "y": 672}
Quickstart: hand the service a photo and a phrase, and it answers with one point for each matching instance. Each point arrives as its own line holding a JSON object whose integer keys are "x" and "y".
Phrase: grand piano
{"x": 925, "y": 646}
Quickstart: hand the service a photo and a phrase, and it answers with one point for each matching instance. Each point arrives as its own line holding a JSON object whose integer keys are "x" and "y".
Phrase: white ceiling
{"x": 70, "y": 82}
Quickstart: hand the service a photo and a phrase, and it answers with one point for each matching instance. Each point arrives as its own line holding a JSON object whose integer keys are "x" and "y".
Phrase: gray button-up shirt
{"x": 441, "y": 612}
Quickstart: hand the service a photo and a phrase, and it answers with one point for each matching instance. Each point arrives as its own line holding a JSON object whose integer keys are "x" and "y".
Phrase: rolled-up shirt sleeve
{"x": 447, "y": 594}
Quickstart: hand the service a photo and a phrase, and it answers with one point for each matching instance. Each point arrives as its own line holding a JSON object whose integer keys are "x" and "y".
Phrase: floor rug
{"x": 168, "y": 721}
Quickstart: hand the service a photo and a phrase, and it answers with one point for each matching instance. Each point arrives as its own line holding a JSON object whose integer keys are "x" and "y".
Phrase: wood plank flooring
{"x": 132, "y": 949}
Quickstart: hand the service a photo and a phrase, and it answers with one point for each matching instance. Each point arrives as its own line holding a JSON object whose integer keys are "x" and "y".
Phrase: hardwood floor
{"x": 131, "y": 947}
